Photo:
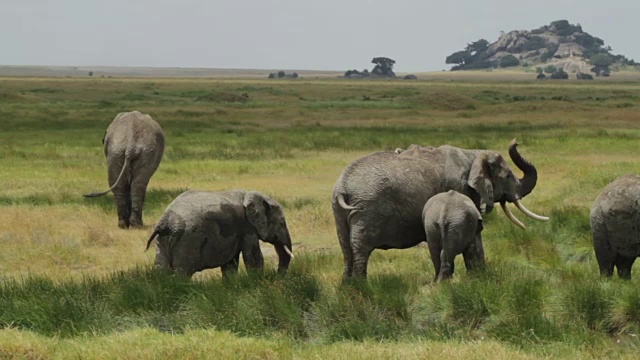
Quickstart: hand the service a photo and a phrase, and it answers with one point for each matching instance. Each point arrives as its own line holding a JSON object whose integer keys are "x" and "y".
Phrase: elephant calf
{"x": 453, "y": 226}
{"x": 615, "y": 226}
{"x": 133, "y": 146}
{"x": 203, "y": 230}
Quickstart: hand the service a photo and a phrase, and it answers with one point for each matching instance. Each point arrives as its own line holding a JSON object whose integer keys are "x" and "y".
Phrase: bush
{"x": 535, "y": 43}
{"x": 550, "y": 69}
{"x": 560, "y": 74}
{"x": 509, "y": 61}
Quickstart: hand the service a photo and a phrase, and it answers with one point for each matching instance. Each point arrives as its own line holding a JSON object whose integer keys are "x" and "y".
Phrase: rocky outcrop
{"x": 560, "y": 43}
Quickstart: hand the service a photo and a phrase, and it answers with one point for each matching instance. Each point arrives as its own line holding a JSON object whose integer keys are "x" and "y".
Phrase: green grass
{"x": 72, "y": 280}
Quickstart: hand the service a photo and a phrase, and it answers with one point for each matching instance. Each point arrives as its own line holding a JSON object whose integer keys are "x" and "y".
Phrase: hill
{"x": 560, "y": 43}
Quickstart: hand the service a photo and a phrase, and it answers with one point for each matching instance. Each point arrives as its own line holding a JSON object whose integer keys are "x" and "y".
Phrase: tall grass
{"x": 69, "y": 275}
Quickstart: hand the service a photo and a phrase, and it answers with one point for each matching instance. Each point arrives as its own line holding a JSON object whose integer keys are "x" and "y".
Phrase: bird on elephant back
{"x": 378, "y": 200}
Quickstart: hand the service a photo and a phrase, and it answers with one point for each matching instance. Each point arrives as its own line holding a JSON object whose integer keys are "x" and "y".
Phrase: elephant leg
{"x": 344, "y": 238}
{"x": 231, "y": 267}
{"x": 623, "y": 265}
{"x": 251, "y": 254}
{"x": 361, "y": 255}
{"x": 161, "y": 261}
{"x": 138, "y": 192}
{"x": 446, "y": 265}
{"x": 604, "y": 254}
{"x": 474, "y": 255}
{"x": 361, "y": 250}
{"x": 434, "y": 250}
{"x": 121, "y": 193}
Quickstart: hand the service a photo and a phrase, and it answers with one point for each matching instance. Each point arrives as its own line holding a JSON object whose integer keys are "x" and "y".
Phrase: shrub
{"x": 509, "y": 61}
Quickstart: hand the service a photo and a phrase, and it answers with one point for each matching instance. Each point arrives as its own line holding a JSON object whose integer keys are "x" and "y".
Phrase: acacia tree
{"x": 601, "y": 63}
{"x": 384, "y": 66}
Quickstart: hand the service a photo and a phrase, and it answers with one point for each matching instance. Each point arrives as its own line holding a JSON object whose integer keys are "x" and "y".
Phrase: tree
{"x": 281, "y": 74}
{"x": 90, "y": 73}
{"x": 384, "y": 66}
{"x": 477, "y": 47}
{"x": 508, "y": 61}
{"x": 550, "y": 69}
{"x": 539, "y": 70}
{"x": 459, "y": 58}
{"x": 601, "y": 64}
{"x": 601, "y": 60}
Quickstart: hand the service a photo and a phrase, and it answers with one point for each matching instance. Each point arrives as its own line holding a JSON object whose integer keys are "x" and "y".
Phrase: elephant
{"x": 133, "y": 146}
{"x": 204, "y": 230}
{"x": 453, "y": 226}
{"x": 615, "y": 226}
{"x": 377, "y": 201}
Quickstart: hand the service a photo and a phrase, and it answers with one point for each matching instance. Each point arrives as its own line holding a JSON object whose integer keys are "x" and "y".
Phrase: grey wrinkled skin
{"x": 453, "y": 226}
{"x": 615, "y": 226}
{"x": 203, "y": 230}
{"x": 133, "y": 146}
{"x": 378, "y": 200}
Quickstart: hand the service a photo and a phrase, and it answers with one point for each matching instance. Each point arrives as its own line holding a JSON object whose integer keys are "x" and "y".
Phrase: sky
{"x": 286, "y": 34}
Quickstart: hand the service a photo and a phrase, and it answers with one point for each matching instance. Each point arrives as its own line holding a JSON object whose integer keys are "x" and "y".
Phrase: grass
{"x": 71, "y": 281}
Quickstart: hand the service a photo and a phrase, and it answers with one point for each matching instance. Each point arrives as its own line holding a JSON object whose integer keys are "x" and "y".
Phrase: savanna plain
{"x": 73, "y": 285}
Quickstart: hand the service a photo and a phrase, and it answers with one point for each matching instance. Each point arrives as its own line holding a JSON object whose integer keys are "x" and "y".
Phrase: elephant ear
{"x": 480, "y": 180}
{"x": 256, "y": 208}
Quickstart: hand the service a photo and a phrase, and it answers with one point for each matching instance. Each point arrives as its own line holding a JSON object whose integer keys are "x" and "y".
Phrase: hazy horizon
{"x": 283, "y": 34}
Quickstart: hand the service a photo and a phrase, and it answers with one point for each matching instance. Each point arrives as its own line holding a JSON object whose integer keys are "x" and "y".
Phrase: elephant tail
{"x": 343, "y": 203}
{"x": 98, "y": 194}
{"x": 153, "y": 236}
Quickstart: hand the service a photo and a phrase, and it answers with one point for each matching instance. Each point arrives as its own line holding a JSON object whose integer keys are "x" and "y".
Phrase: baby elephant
{"x": 453, "y": 225}
{"x": 615, "y": 226}
{"x": 203, "y": 230}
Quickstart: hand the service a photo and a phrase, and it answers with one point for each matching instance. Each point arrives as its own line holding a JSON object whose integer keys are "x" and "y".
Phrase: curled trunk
{"x": 528, "y": 181}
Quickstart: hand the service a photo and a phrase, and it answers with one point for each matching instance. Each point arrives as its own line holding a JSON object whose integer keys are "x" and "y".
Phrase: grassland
{"x": 74, "y": 285}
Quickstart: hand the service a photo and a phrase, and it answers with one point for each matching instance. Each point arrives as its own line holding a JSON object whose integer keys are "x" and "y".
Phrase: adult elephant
{"x": 378, "y": 200}
{"x": 615, "y": 226}
{"x": 133, "y": 146}
{"x": 203, "y": 230}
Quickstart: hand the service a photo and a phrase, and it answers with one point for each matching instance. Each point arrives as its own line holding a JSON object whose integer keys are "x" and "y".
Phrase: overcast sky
{"x": 286, "y": 34}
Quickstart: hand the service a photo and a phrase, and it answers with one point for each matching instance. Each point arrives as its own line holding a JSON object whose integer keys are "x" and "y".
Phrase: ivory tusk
{"x": 286, "y": 249}
{"x": 529, "y": 213}
{"x": 511, "y": 217}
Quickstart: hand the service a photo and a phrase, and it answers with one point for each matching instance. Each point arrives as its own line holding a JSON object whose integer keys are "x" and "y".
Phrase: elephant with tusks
{"x": 378, "y": 200}
{"x": 205, "y": 229}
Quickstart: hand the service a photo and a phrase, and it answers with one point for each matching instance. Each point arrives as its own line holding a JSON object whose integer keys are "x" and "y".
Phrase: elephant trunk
{"x": 528, "y": 181}
{"x": 285, "y": 254}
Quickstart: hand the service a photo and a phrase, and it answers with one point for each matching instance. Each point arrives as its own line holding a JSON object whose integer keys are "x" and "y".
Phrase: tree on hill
{"x": 472, "y": 57}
